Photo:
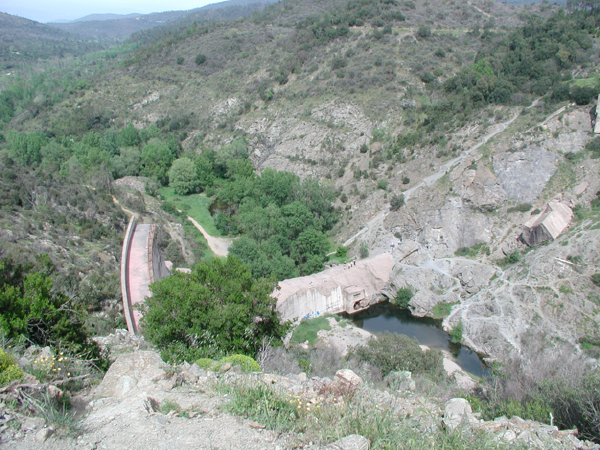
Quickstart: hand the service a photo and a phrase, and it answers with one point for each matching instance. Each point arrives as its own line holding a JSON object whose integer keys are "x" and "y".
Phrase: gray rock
{"x": 131, "y": 372}
{"x": 44, "y": 434}
{"x": 352, "y": 442}
{"x": 458, "y": 413}
{"x": 400, "y": 381}
{"x": 347, "y": 376}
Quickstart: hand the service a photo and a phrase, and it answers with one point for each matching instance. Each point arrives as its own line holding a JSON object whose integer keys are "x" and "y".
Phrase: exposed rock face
{"x": 352, "y": 442}
{"x": 524, "y": 174}
{"x": 345, "y": 288}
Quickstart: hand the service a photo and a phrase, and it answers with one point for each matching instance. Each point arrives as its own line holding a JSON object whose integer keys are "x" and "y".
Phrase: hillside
{"x": 120, "y": 28}
{"x": 318, "y": 133}
{"x": 23, "y": 40}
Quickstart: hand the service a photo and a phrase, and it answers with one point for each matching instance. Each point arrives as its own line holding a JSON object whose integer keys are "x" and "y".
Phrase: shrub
{"x": 442, "y": 310}
{"x": 397, "y": 202}
{"x": 511, "y": 258}
{"x": 522, "y": 207}
{"x": 405, "y": 180}
{"x": 9, "y": 370}
{"x": 205, "y": 363}
{"x": 245, "y": 362}
{"x": 364, "y": 250}
{"x": 364, "y": 148}
{"x": 596, "y": 279}
{"x": 403, "y": 297}
{"x": 200, "y": 59}
{"x": 424, "y": 31}
{"x": 341, "y": 251}
{"x": 382, "y": 183}
{"x": 391, "y": 352}
{"x": 456, "y": 333}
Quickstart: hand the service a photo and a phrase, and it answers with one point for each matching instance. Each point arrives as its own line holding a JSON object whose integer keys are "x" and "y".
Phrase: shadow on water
{"x": 387, "y": 317}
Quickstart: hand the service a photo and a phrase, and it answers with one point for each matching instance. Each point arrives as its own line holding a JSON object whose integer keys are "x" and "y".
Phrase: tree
{"x": 182, "y": 177}
{"x": 200, "y": 59}
{"x": 397, "y": 202}
{"x": 217, "y": 309}
{"x": 424, "y": 31}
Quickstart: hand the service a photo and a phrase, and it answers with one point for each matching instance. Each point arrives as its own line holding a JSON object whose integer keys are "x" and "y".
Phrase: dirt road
{"x": 219, "y": 246}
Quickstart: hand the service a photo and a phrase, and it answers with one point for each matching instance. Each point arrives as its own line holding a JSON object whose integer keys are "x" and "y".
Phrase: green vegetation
{"x": 397, "y": 202}
{"x": 403, "y": 297}
{"x": 246, "y": 363}
{"x": 521, "y": 207}
{"x": 392, "y": 352}
{"x": 308, "y": 328}
{"x": 511, "y": 258}
{"x": 33, "y": 312}
{"x": 205, "y": 363}
{"x": 9, "y": 370}
{"x": 442, "y": 310}
{"x": 596, "y": 279}
{"x": 456, "y": 333}
{"x": 341, "y": 411}
{"x": 218, "y": 309}
{"x": 473, "y": 251}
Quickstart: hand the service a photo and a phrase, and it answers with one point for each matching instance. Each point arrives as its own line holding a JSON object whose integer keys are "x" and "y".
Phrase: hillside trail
{"x": 218, "y": 245}
{"x": 377, "y": 220}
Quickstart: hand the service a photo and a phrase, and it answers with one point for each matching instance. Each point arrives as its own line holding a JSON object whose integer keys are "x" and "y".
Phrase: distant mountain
{"x": 26, "y": 40}
{"x": 118, "y": 27}
{"x": 101, "y": 17}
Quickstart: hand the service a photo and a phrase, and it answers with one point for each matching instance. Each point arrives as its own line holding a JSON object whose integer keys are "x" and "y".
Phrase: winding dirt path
{"x": 219, "y": 246}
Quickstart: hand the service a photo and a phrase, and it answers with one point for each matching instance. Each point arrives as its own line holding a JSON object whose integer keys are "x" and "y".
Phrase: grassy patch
{"x": 195, "y": 206}
{"x": 337, "y": 410}
{"x": 473, "y": 251}
{"x": 442, "y": 310}
{"x": 308, "y": 329}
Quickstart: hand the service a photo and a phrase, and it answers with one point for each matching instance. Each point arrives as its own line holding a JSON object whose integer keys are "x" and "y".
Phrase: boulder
{"x": 131, "y": 372}
{"x": 458, "y": 413}
{"x": 347, "y": 376}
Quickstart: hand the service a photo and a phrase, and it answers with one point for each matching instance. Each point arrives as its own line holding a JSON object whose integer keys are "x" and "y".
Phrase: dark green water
{"x": 387, "y": 317}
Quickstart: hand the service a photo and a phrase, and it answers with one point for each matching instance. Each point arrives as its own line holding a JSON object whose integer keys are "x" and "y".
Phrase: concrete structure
{"x": 345, "y": 288}
{"x": 141, "y": 265}
{"x": 548, "y": 225}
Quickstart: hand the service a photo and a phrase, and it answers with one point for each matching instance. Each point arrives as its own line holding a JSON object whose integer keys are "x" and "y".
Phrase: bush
{"x": 245, "y": 362}
{"x": 405, "y": 180}
{"x": 522, "y": 207}
{"x": 200, "y": 59}
{"x": 403, "y": 297}
{"x": 341, "y": 251}
{"x": 364, "y": 250}
{"x": 382, "y": 183}
{"x": 392, "y": 352}
{"x": 205, "y": 363}
{"x": 9, "y": 370}
{"x": 424, "y": 31}
{"x": 596, "y": 279}
{"x": 218, "y": 308}
{"x": 364, "y": 148}
{"x": 397, "y": 202}
{"x": 511, "y": 258}
{"x": 456, "y": 333}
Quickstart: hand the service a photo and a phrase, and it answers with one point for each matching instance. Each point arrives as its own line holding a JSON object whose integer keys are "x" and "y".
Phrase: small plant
{"x": 511, "y": 258}
{"x": 205, "y": 363}
{"x": 405, "y": 180}
{"x": 522, "y": 207}
{"x": 382, "y": 183}
{"x": 596, "y": 279}
{"x": 169, "y": 405}
{"x": 341, "y": 251}
{"x": 246, "y": 363}
{"x": 364, "y": 148}
{"x": 364, "y": 250}
{"x": 397, "y": 202}
{"x": 9, "y": 370}
{"x": 403, "y": 297}
{"x": 442, "y": 310}
{"x": 456, "y": 333}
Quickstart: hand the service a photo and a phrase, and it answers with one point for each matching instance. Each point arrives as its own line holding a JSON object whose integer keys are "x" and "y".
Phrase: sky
{"x": 51, "y": 10}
